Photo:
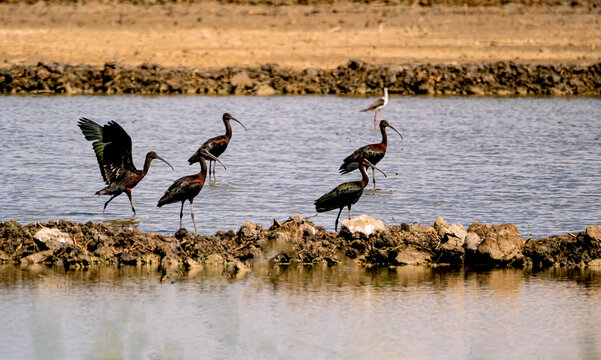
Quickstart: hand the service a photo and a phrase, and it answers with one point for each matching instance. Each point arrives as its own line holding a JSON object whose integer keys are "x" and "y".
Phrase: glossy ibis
{"x": 377, "y": 106}
{"x": 112, "y": 146}
{"x": 372, "y": 152}
{"x": 217, "y": 145}
{"x": 345, "y": 194}
{"x": 187, "y": 187}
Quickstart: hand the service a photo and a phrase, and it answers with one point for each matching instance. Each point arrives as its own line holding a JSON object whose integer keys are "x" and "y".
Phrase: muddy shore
{"x": 295, "y": 241}
{"x": 353, "y": 78}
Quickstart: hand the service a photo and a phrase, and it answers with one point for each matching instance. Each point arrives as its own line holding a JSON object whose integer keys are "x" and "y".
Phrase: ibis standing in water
{"x": 187, "y": 187}
{"x": 372, "y": 152}
{"x": 217, "y": 145}
{"x": 112, "y": 146}
{"x": 345, "y": 194}
{"x": 377, "y": 107}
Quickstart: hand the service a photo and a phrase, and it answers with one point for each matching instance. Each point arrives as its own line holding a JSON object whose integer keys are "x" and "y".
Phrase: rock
{"x": 363, "y": 224}
{"x": 242, "y": 80}
{"x": 451, "y": 233}
{"x": 53, "y": 239}
{"x": 441, "y": 227}
{"x": 307, "y": 229}
{"x": 501, "y": 244}
{"x": 214, "y": 259}
{"x": 248, "y": 231}
{"x": 411, "y": 256}
{"x": 419, "y": 228}
{"x": 479, "y": 229}
{"x": 458, "y": 234}
{"x": 38, "y": 257}
{"x": 265, "y": 90}
{"x": 594, "y": 232}
{"x": 472, "y": 240}
{"x": 595, "y": 262}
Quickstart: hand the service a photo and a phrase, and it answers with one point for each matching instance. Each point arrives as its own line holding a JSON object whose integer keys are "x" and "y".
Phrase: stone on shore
{"x": 53, "y": 239}
{"x": 501, "y": 244}
{"x": 362, "y": 224}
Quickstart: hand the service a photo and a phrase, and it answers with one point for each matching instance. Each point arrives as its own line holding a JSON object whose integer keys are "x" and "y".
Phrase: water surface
{"x": 531, "y": 161}
{"x": 300, "y": 313}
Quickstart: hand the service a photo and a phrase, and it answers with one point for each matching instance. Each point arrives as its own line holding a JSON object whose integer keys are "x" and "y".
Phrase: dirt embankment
{"x": 320, "y": 34}
{"x": 353, "y": 78}
{"x": 297, "y": 240}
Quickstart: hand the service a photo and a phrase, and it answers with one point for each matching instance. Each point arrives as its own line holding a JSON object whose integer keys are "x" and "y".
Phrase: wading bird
{"x": 372, "y": 152}
{"x": 217, "y": 145}
{"x": 112, "y": 146}
{"x": 187, "y": 187}
{"x": 345, "y": 194}
{"x": 377, "y": 107}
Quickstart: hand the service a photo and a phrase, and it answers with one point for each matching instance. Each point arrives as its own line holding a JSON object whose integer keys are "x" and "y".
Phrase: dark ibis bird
{"x": 345, "y": 194}
{"x": 187, "y": 187}
{"x": 372, "y": 152}
{"x": 112, "y": 146}
{"x": 377, "y": 107}
{"x": 217, "y": 145}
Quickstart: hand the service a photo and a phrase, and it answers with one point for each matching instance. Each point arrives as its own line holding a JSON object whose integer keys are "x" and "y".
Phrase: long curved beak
{"x": 210, "y": 156}
{"x": 239, "y": 122}
{"x": 390, "y": 126}
{"x": 165, "y": 161}
{"x": 375, "y": 167}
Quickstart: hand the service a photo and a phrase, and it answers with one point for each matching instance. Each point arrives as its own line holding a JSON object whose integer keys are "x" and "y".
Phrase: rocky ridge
{"x": 297, "y": 240}
{"x": 353, "y": 78}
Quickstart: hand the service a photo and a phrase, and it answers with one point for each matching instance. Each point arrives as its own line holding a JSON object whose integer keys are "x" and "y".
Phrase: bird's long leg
{"x": 106, "y": 203}
{"x": 210, "y": 163}
{"x": 181, "y": 214}
{"x": 337, "y": 217}
{"x": 349, "y": 211}
{"x": 214, "y": 174}
{"x": 373, "y": 176}
{"x": 375, "y": 122}
{"x": 128, "y": 192}
{"x": 192, "y": 214}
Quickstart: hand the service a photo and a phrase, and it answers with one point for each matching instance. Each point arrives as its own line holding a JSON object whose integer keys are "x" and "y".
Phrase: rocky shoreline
{"x": 295, "y": 241}
{"x": 353, "y": 78}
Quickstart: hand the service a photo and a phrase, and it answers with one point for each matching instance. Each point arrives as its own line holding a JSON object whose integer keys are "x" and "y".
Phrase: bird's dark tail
{"x": 348, "y": 167}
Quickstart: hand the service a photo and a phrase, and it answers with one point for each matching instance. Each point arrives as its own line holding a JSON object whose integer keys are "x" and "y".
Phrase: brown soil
{"x": 210, "y": 34}
{"x": 295, "y": 241}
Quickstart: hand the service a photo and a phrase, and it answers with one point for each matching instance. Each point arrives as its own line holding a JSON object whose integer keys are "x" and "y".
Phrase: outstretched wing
{"x": 112, "y": 146}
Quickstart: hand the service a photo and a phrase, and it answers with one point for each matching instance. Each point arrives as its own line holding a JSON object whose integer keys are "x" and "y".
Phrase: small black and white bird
{"x": 377, "y": 107}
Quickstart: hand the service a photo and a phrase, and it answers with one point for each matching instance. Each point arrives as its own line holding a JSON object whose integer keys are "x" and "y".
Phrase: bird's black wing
{"x": 112, "y": 146}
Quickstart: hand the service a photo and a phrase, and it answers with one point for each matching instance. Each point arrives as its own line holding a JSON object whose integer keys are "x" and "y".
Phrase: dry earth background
{"x": 325, "y": 35}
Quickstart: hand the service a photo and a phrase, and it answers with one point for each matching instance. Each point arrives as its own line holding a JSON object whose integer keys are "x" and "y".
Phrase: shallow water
{"x": 530, "y": 161}
{"x": 299, "y": 313}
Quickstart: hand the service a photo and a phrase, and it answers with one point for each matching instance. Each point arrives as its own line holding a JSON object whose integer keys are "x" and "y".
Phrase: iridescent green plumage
{"x": 345, "y": 194}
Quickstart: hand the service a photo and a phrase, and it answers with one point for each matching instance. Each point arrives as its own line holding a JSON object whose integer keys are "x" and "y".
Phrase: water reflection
{"x": 300, "y": 312}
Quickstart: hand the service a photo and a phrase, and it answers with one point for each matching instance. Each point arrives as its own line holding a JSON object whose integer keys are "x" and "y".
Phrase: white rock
{"x": 363, "y": 224}
{"x": 54, "y": 239}
{"x": 472, "y": 240}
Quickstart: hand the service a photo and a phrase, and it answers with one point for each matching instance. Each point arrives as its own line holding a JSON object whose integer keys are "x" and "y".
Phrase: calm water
{"x": 408, "y": 313}
{"x": 534, "y": 162}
